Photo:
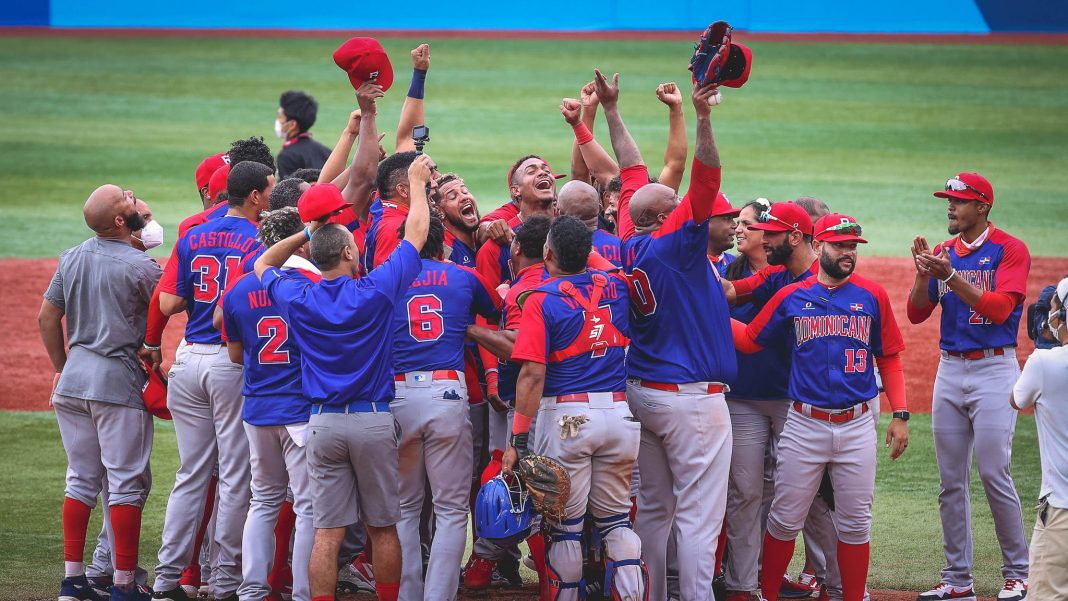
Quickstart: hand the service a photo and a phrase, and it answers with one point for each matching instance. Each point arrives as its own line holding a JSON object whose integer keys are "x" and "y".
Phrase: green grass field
{"x": 872, "y": 129}
{"x": 907, "y": 535}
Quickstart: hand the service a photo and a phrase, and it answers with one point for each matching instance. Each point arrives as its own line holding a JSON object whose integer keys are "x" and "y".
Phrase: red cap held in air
{"x": 320, "y": 200}
{"x": 784, "y": 217}
{"x": 364, "y": 59}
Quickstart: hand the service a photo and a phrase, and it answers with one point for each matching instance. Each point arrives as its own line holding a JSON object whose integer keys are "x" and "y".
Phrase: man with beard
{"x": 102, "y": 287}
{"x": 460, "y": 209}
{"x": 788, "y": 243}
{"x": 721, "y": 233}
{"x": 979, "y": 277}
{"x": 838, "y": 325}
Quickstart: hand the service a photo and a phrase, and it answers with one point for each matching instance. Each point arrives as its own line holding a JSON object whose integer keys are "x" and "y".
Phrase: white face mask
{"x": 278, "y": 130}
{"x": 152, "y": 234}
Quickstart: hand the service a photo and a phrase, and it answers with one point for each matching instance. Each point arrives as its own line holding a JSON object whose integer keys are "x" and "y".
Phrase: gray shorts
{"x": 352, "y": 461}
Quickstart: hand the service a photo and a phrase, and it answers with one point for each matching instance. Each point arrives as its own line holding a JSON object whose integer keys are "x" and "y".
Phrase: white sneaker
{"x": 945, "y": 592}
{"x": 1015, "y": 590}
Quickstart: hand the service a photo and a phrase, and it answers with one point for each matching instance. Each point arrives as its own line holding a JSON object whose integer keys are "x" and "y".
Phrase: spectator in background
{"x": 1044, "y": 386}
{"x": 296, "y": 115}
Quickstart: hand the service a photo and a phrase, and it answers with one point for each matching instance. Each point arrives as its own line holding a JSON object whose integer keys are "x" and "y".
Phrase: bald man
{"x": 680, "y": 354}
{"x": 581, "y": 201}
{"x": 103, "y": 287}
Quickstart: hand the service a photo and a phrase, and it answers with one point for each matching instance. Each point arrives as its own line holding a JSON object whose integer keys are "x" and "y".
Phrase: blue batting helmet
{"x": 503, "y": 512}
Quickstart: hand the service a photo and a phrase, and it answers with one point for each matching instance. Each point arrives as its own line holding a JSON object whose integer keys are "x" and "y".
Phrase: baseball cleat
{"x": 133, "y": 593}
{"x": 806, "y": 585}
{"x": 507, "y": 573}
{"x": 100, "y": 584}
{"x": 354, "y": 579}
{"x": 177, "y": 594}
{"x": 77, "y": 588}
{"x": 478, "y": 573}
{"x": 945, "y": 591}
{"x": 1015, "y": 590}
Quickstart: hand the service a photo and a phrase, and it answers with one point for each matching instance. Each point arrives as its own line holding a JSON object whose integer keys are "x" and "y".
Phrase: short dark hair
{"x": 615, "y": 184}
{"x": 277, "y": 225}
{"x": 393, "y": 171}
{"x": 327, "y": 243}
{"x": 435, "y": 237}
{"x": 435, "y": 194}
{"x": 299, "y": 107}
{"x": 245, "y": 177}
{"x": 531, "y": 236}
{"x": 571, "y": 242}
{"x": 515, "y": 166}
{"x": 307, "y": 174}
{"x": 286, "y": 193}
{"x": 251, "y": 149}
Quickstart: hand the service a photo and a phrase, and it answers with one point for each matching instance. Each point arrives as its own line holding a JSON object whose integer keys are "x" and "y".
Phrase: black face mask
{"x": 135, "y": 221}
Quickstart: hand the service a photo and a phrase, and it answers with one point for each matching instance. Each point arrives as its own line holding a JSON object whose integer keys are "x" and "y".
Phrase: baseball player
{"x": 523, "y": 180}
{"x": 581, "y": 201}
{"x": 979, "y": 277}
{"x": 838, "y": 325}
{"x": 205, "y": 389}
{"x": 680, "y": 354}
{"x": 275, "y": 411}
{"x": 383, "y": 236}
{"x": 431, "y": 406}
{"x": 343, "y": 327}
{"x": 460, "y": 210}
{"x": 721, "y": 233}
{"x": 102, "y": 287}
{"x": 571, "y": 343}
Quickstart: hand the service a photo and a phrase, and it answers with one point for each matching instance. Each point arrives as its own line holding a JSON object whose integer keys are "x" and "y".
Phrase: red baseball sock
{"x": 777, "y": 556}
{"x": 721, "y": 546}
{"x": 387, "y": 591}
{"x": 853, "y": 564}
{"x": 633, "y": 508}
{"x": 126, "y": 523}
{"x": 536, "y": 542}
{"x": 323, "y": 598}
{"x": 280, "y": 575}
{"x": 198, "y": 542}
{"x": 75, "y": 524}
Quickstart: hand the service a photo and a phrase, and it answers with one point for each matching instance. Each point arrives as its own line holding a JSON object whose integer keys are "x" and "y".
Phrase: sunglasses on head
{"x": 845, "y": 227}
{"x": 767, "y": 217}
{"x": 957, "y": 185}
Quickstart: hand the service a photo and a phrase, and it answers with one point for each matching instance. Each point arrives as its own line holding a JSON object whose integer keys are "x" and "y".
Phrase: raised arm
{"x": 335, "y": 163}
{"x": 365, "y": 164}
{"x": 705, "y": 177}
{"x": 623, "y": 145}
{"x": 413, "y": 112}
{"x": 276, "y": 255}
{"x": 677, "y": 144}
{"x": 588, "y": 97}
{"x": 417, "y": 223}
{"x": 600, "y": 165}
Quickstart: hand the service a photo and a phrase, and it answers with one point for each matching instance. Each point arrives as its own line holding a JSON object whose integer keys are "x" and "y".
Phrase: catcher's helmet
{"x": 503, "y": 512}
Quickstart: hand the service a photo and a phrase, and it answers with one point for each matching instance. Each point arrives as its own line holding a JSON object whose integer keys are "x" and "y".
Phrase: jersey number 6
{"x": 424, "y": 318}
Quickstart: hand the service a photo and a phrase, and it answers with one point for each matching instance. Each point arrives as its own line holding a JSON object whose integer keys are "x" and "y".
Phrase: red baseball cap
{"x": 217, "y": 183}
{"x": 968, "y": 186}
{"x": 784, "y": 217}
{"x": 154, "y": 393}
{"x": 735, "y": 71}
{"x": 364, "y": 59}
{"x": 319, "y": 201}
{"x": 722, "y": 207}
{"x": 208, "y": 166}
{"x": 511, "y": 170}
{"x": 837, "y": 227}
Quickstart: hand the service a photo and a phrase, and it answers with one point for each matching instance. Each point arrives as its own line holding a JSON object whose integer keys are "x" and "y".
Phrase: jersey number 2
{"x": 424, "y": 318}
{"x": 856, "y": 360}
{"x": 210, "y": 278}
{"x": 276, "y": 331}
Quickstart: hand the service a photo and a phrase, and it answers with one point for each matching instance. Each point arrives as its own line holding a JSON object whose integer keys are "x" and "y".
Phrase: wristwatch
{"x": 902, "y": 415}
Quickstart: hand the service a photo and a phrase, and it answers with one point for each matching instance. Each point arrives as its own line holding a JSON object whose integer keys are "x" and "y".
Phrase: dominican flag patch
{"x": 856, "y": 307}
{"x": 984, "y": 261}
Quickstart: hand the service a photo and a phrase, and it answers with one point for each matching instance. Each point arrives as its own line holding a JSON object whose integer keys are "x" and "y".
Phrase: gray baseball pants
{"x": 204, "y": 397}
{"x": 971, "y": 405}
{"x": 435, "y": 446}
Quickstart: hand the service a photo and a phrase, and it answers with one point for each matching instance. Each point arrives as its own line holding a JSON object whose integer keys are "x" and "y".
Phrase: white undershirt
{"x": 1044, "y": 385}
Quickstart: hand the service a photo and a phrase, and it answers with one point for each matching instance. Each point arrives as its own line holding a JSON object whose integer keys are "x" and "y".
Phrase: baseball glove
{"x": 548, "y": 484}
{"x": 710, "y": 53}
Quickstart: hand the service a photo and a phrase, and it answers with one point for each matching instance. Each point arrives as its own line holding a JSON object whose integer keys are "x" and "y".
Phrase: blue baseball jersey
{"x": 528, "y": 278}
{"x": 462, "y": 254}
{"x": 210, "y": 258}
{"x": 272, "y": 389}
{"x": 835, "y": 336}
{"x": 764, "y": 375}
{"x": 344, "y": 328}
{"x": 375, "y": 211}
{"x": 608, "y": 246}
{"x": 762, "y": 285}
{"x": 680, "y": 318}
{"x": 1001, "y": 264}
{"x": 721, "y": 263}
{"x": 577, "y": 326}
{"x": 430, "y": 323}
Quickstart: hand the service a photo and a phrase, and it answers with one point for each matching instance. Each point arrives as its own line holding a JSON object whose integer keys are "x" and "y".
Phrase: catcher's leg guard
{"x": 626, "y": 577}
{"x": 563, "y": 561}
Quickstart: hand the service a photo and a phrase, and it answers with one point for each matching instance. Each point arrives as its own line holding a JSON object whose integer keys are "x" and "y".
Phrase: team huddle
{"x": 368, "y": 361}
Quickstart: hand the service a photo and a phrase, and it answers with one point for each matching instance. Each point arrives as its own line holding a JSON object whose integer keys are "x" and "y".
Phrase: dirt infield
{"x": 529, "y": 593}
{"x": 26, "y": 381}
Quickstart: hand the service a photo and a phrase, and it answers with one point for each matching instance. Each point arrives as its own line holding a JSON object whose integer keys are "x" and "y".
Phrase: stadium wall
{"x": 789, "y": 16}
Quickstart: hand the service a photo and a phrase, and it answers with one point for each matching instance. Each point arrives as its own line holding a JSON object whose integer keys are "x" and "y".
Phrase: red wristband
{"x": 583, "y": 135}
{"x": 521, "y": 423}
